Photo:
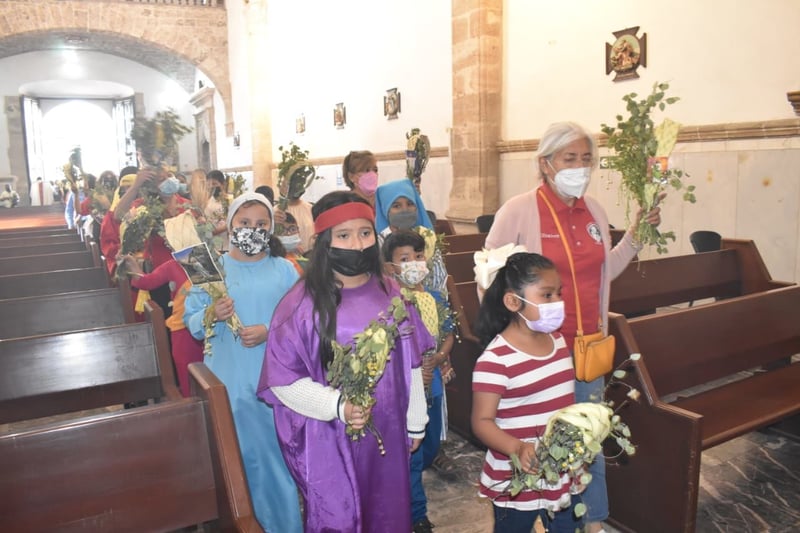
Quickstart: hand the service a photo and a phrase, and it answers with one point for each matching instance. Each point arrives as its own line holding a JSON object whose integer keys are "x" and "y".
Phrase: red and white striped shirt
{"x": 531, "y": 389}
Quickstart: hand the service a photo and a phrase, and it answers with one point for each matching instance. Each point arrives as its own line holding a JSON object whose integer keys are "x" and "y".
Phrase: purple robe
{"x": 347, "y": 485}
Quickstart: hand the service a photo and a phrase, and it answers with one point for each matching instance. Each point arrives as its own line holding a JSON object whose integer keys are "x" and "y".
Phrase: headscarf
{"x": 386, "y": 195}
{"x": 249, "y": 197}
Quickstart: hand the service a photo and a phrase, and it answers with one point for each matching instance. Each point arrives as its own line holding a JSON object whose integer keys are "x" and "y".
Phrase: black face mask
{"x": 353, "y": 262}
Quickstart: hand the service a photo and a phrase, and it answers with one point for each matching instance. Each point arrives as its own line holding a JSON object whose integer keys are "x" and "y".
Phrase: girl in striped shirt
{"x": 524, "y": 375}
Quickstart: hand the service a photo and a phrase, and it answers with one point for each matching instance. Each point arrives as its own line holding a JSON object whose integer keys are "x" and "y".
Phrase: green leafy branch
{"x": 641, "y": 161}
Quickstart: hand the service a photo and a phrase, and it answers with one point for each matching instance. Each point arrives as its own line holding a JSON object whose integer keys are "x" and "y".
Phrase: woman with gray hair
{"x": 567, "y": 155}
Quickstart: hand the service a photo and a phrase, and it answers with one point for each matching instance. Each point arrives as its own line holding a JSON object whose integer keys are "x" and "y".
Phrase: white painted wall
{"x": 323, "y": 53}
{"x": 159, "y": 91}
{"x": 728, "y": 60}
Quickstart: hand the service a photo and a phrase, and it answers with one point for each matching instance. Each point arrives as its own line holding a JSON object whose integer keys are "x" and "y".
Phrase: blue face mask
{"x": 169, "y": 186}
{"x": 551, "y": 316}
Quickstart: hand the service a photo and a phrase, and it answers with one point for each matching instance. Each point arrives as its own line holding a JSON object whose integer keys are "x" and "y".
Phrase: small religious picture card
{"x": 391, "y": 104}
{"x": 300, "y": 124}
{"x": 199, "y": 265}
{"x": 339, "y": 115}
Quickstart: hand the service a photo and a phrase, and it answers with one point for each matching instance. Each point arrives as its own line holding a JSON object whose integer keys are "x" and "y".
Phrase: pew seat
{"x": 161, "y": 467}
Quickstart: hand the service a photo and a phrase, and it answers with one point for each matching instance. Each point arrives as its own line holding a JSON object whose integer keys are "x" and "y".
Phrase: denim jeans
{"x": 595, "y": 496}
{"x": 423, "y": 457}
{"x": 507, "y": 520}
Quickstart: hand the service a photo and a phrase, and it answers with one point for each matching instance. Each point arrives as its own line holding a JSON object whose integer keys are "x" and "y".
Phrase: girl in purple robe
{"x": 347, "y": 485}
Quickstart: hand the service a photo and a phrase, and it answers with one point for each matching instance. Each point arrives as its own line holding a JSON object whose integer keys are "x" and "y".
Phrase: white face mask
{"x": 572, "y": 182}
{"x": 412, "y": 272}
{"x": 551, "y": 316}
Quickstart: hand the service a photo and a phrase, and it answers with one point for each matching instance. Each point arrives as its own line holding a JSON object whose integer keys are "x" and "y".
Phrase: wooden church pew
{"x": 697, "y": 348}
{"x": 161, "y": 467}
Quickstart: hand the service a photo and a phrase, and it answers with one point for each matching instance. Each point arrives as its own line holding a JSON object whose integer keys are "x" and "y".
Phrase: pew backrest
{"x": 460, "y": 265}
{"x": 21, "y": 251}
{"x": 464, "y": 242}
{"x": 70, "y": 372}
{"x": 57, "y": 281}
{"x": 35, "y": 232}
{"x": 735, "y": 270}
{"x": 38, "y": 240}
{"x": 143, "y": 469}
{"x": 44, "y": 263}
{"x": 59, "y": 313}
{"x": 464, "y": 300}
{"x": 695, "y": 346}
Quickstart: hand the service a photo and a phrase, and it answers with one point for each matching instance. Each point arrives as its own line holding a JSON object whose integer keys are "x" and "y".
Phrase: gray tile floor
{"x": 749, "y": 484}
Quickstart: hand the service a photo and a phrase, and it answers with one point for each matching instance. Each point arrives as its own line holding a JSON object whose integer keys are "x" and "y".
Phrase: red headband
{"x": 343, "y": 213}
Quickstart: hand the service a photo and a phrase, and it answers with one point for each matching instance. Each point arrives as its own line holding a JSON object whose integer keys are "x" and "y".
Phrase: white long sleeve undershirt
{"x": 322, "y": 402}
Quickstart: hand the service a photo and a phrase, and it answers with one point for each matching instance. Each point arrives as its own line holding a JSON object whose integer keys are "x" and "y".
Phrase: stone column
{"x": 477, "y": 83}
{"x": 18, "y": 164}
{"x": 260, "y": 121}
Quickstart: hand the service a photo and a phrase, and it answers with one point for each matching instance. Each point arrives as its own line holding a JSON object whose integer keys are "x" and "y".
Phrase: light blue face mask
{"x": 551, "y": 316}
{"x": 169, "y": 186}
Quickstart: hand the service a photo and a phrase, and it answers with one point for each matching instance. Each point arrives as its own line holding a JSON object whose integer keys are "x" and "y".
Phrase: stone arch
{"x": 171, "y": 39}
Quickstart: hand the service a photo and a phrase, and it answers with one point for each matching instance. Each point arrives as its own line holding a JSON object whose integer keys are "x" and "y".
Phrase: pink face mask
{"x": 368, "y": 183}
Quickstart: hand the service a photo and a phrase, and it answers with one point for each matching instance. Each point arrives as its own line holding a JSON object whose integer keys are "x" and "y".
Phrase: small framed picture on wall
{"x": 339, "y": 115}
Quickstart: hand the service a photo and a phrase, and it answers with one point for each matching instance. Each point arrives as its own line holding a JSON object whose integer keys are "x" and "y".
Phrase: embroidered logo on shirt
{"x": 594, "y": 232}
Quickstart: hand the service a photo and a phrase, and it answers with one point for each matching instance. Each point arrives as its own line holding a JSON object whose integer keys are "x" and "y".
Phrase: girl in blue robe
{"x": 256, "y": 280}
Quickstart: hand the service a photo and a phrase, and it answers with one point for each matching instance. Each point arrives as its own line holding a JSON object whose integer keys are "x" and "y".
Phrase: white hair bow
{"x": 488, "y": 262}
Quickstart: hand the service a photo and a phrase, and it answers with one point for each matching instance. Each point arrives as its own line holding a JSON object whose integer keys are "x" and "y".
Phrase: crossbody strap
{"x": 569, "y": 258}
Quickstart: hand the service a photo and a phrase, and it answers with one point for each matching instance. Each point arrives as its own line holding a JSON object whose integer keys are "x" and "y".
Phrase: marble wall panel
{"x": 768, "y": 205}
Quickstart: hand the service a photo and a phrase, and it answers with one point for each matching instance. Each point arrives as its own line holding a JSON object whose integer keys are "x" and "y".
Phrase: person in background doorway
{"x": 9, "y": 197}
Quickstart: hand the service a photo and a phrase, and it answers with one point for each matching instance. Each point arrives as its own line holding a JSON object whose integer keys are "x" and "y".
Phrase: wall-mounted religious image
{"x": 339, "y": 115}
{"x": 626, "y": 54}
{"x": 300, "y": 124}
{"x": 199, "y": 265}
{"x": 391, "y": 103}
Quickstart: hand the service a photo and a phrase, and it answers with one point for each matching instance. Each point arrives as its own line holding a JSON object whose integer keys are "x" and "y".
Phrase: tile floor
{"x": 750, "y": 484}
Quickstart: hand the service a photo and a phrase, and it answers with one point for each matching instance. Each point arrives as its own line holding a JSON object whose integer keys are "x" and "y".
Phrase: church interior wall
{"x": 721, "y": 63}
